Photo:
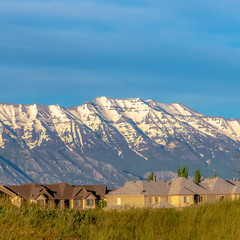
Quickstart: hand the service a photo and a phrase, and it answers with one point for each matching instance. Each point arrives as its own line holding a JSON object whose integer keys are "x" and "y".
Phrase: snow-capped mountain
{"x": 111, "y": 141}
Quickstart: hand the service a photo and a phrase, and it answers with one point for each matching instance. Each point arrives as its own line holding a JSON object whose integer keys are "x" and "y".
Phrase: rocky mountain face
{"x": 109, "y": 141}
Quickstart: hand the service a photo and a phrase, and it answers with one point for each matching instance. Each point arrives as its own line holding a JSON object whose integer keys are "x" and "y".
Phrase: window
{"x": 221, "y": 197}
{"x": 150, "y": 200}
{"x": 78, "y": 203}
{"x": 156, "y": 199}
{"x": 171, "y": 199}
{"x": 90, "y": 202}
{"x": 117, "y": 201}
{"x": 186, "y": 199}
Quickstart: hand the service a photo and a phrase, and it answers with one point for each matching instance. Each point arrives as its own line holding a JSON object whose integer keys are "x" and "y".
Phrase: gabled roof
{"x": 27, "y": 190}
{"x": 62, "y": 190}
{"x": 7, "y": 191}
{"x": 81, "y": 193}
{"x": 89, "y": 194}
{"x": 218, "y": 186}
{"x": 98, "y": 190}
{"x": 175, "y": 186}
{"x": 142, "y": 188}
{"x": 78, "y": 190}
{"x": 181, "y": 185}
{"x": 56, "y": 191}
{"x": 31, "y": 191}
{"x": 237, "y": 186}
{"x": 46, "y": 193}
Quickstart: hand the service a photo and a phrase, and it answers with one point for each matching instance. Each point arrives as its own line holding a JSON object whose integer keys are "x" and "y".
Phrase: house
{"x": 13, "y": 197}
{"x": 99, "y": 191}
{"x": 236, "y": 193}
{"x": 83, "y": 199}
{"x": 175, "y": 193}
{"x": 178, "y": 192}
{"x": 183, "y": 192}
{"x": 219, "y": 188}
{"x": 138, "y": 194}
{"x": 59, "y": 194}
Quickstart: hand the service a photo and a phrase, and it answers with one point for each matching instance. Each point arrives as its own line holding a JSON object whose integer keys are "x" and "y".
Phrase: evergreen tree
{"x": 185, "y": 171}
{"x": 179, "y": 172}
{"x": 215, "y": 174}
{"x": 197, "y": 176}
{"x": 151, "y": 176}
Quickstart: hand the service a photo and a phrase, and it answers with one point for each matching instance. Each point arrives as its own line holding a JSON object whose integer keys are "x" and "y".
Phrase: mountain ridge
{"x": 113, "y": 140}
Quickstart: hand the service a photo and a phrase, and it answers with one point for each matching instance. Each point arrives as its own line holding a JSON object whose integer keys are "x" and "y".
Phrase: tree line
{"x": 183, "y": 172}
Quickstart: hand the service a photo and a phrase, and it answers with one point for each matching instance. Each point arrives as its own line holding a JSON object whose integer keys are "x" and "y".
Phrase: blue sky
{"x": 69, "y": 52}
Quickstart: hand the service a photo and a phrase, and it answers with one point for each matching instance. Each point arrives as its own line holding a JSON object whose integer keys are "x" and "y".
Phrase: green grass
{"x": 220, "y": 220}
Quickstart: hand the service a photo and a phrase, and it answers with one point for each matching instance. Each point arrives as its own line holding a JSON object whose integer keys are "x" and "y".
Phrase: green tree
{"x": 197, "y": 176}
{"x": 179, "y": 172}
{"x": 215, "y": 174}
{"x": 152, "y": 177}
{"x": 101, "y": 204}
{"x": 185, "y": 171}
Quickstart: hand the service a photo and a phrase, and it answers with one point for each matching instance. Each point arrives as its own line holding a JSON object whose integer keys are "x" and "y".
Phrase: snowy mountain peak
{"x": 112, "y": 140}
{"x": 105, "y": 101}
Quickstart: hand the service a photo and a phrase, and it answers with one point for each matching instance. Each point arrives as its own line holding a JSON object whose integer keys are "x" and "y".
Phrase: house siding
{"x": 181, "y": 200}
{"x": 136, "y": 201}
{"x": 151, "y": 200}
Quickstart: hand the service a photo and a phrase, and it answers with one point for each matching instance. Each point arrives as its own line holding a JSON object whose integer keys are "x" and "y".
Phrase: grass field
{"x": 220, "y": 220}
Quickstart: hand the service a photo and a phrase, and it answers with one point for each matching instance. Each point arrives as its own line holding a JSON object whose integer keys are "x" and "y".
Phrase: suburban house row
{"x": 178, "y": 192}
{"x": 63, "y": 195}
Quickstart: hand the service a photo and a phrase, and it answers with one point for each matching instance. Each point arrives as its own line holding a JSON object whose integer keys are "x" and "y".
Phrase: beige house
{"x": 59, "y": 194}
{"x": 16, "y": 200}
{"x": 139, "y": 194}
{"x": 219, "y": 189}
{"x": 183, "y": 192}
{"x": 178, "y": 192}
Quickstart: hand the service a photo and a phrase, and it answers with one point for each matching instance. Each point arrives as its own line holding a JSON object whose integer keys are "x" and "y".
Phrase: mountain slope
{"x": 111, "y": 141}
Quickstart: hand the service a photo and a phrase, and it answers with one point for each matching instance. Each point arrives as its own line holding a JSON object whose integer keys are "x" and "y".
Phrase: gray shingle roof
{"x": 176, "y": 186}
{"x": 142, "y": 188}
{"x": 237, "y": 186}
{"x": 218, "y": 186}
{"x": 56, "y": 191}
{"x": 181, "y": 185}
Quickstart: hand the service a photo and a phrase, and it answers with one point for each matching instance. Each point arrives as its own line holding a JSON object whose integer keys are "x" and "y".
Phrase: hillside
{"x": 112, "y": 140}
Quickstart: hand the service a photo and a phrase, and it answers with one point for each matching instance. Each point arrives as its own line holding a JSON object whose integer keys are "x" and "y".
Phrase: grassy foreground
{"x": 220, "y": 220}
